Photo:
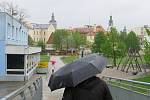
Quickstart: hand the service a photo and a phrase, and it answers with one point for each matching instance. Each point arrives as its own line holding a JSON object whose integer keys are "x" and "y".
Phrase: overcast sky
{"x": 73, "y": 13}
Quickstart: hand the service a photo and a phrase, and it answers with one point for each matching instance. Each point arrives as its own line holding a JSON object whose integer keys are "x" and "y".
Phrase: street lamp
{"x": 82, "y": 51}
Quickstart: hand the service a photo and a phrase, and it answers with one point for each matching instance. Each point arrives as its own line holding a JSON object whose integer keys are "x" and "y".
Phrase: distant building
{"x": 18, "y": 61}
{"x": 89, "y": 31}
{"x": 141, "y": 33}
{"x": 42, "y": 32}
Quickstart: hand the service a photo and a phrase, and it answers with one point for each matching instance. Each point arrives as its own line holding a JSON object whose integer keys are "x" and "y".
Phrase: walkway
{"x": 47, "y": 94}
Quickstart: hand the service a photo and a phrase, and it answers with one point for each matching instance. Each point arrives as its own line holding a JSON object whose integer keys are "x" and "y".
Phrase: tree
{"x": 123, "y": 36}
{"x": 148, "y": 31}
{"x": 61, "y": 39}
{"x": 14, "y": 10}
{"x": 113, "y": 38}
{"x": 78, "y": 39}
{"x": 41, "y": 44}
{"x": 147, "y": 49}
{"x": 99, "y": 40}
{"x": 30, "y": 40}
{"x": 132, "y": 41}
{"x": 147, "y": 52}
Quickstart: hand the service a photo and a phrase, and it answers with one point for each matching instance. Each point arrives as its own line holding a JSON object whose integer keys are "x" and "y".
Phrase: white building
{"x": 141, "y": 33}
{"x": 18, "y": 61}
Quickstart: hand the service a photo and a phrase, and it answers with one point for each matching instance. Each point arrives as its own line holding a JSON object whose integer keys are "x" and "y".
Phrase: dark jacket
{"x": 91, "y": 89}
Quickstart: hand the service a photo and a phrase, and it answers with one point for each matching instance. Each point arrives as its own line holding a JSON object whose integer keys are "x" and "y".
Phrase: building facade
{"x": 141, "y": 33}
{"x": 42, "y": 32}
{"x": 18, "y": 61}
{"x": 89, "y": 31}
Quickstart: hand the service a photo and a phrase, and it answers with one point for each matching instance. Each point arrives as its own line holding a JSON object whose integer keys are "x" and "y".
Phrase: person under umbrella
{"x": 81, "y": 73}
{"x": 53, "y": 65}
{"x": 91, "y": 89}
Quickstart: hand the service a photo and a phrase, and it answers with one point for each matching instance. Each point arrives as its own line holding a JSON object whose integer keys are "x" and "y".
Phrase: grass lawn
{"x": 68, "y": 59}
{"x": 44, "y": 58}
{"x": 145, "y": 78}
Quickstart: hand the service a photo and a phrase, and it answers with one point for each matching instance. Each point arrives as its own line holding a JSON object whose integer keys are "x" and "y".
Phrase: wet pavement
{"x": 47, "y": 94}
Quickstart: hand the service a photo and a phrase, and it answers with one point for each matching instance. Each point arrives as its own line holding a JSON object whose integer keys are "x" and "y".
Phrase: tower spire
{"x": 53, "y": 21}
{"x": 110, "y": 23}
{"x": 53, "y": 17}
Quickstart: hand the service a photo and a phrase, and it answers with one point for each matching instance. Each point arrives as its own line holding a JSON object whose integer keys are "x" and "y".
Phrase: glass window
{"x": 9, "y": 30}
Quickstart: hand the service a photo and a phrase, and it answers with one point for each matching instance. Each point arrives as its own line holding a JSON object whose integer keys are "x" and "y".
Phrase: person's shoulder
{"x": 100, "y": 81}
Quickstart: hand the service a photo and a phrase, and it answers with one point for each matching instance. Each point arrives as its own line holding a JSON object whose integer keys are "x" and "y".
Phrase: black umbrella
{"x": 76, "y": 72}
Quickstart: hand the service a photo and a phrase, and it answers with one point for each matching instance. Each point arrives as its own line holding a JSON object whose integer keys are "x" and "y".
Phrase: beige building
{"x": 42, "y": 32}
{"x": 89, "y": 31}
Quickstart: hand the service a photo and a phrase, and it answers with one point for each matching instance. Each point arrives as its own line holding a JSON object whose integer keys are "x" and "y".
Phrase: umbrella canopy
{"x": 76, "y": 72}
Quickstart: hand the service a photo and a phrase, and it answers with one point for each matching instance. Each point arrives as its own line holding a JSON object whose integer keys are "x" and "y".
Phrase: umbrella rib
{"x": 95, "y": 67}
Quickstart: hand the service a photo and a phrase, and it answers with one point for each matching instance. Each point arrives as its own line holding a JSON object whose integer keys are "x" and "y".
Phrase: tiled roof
{"x": 84, "y": 30}
{"x": 40, "y": 26}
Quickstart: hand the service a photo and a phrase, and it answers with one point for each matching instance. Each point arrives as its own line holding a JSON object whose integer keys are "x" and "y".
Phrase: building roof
{"x": 50, "y": 40}
{"x": 99, "y": 28}
{"x": 84, "y": 30}
{"x": 40, "y": 26}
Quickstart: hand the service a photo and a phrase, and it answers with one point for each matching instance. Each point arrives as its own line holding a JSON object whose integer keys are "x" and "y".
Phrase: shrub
{"x": 43, "y": 65}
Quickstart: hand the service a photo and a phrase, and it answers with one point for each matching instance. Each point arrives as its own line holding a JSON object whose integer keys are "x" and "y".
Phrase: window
{"x": 34, "y": 32}
{"x": 9, "y": 31}
{"x": 44, "y": 33}
{"x": 37, "y": 32}
{"x": 17, "y": 33}
{"x": 12, "y": 31}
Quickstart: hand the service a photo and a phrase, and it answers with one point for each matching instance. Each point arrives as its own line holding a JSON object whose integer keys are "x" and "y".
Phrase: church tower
{"x": 110, "y": 24}
{"x": 53, "y": 21}
{"x": 125, "y": 29}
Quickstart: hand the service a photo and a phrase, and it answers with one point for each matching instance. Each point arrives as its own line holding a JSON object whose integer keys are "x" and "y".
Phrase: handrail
{"x": 136, "y": 86}
{"x": 122, "y": 79}
{"x": 20, "y": 90}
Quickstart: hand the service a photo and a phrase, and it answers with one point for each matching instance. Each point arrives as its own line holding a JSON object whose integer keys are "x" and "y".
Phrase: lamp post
{"x": 82, "y": 51}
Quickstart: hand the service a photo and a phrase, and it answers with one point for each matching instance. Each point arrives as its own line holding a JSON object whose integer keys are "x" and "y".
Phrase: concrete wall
{"x": 2, "y": 44}
{"x": 2, "y": 58}
{"x": 123, "y": 94}
{"x": 32, "y": 90}
{"x": 13, "y": 49}
{"x": 2, "y": 26}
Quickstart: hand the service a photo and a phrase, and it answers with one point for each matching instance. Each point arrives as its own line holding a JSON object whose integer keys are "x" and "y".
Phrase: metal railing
{"x": 132, "y": 85}
{"x": 32, "y": 90}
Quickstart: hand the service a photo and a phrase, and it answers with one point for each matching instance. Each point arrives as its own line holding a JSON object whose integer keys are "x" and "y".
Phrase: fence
{"x": 30, "y": 91}
{"x": 123, "y": 89}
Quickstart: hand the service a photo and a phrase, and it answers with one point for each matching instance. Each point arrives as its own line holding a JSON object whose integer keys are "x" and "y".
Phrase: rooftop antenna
{"x": 89, "y": 21}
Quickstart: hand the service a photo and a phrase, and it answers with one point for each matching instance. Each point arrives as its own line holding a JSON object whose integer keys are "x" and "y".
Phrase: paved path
{"x": 47, "y": 94}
